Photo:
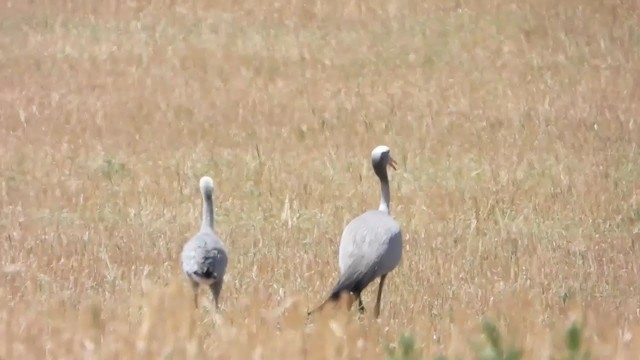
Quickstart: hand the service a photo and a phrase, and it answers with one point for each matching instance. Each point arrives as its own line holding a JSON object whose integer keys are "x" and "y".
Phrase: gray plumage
{"x": 371, "y": 244}
{"x": 204, "y": 256}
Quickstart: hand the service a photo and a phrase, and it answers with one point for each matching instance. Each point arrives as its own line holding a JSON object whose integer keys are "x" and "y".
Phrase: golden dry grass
{"x": 515, "y": 124}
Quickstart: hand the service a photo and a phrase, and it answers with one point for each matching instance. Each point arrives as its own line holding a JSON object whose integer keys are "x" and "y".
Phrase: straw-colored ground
{"x": 515, "y": 123}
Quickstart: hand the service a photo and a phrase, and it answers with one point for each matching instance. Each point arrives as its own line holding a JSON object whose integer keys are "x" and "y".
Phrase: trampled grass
{"x": 515, "y": 124}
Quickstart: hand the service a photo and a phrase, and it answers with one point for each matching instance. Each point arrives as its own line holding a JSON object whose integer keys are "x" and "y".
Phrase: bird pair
{"x": 370, "y": 245}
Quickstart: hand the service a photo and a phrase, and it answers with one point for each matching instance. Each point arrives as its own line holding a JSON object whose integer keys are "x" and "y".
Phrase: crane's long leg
{"x": 360, "y": 305}
{"x": 376, "y": 310}
{"x": 194, "y": 286}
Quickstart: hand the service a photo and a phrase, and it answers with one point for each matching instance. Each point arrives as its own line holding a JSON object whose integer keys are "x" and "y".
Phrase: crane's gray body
{"x": 204, "y": 258}
{"x": 370, "y": 246}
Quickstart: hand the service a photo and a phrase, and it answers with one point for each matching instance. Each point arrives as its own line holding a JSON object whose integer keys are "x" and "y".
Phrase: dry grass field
{"x": 515, "y": 125}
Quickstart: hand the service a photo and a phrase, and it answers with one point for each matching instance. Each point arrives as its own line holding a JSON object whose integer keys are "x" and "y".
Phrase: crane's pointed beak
{"x": 392, "y": 163}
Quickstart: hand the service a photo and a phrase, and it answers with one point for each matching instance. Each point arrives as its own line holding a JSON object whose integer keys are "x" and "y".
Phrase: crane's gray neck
{"x": 385, "y": 195}
{"x": 207, "y": 211}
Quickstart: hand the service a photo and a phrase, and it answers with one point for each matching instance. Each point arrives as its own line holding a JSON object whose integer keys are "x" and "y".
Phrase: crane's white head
{"x": 381, "y": 158}
{"x": 206, "y": 185}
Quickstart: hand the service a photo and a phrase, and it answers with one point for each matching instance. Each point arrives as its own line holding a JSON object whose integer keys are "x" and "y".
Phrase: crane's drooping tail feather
{"x": 206, "y": 274}
{"x": 349, "y": 287}
{"x": 344, "y": 297}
